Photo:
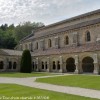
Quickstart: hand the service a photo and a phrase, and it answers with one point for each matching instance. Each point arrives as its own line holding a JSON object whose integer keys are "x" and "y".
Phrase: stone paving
{"x": 63, "y": 89}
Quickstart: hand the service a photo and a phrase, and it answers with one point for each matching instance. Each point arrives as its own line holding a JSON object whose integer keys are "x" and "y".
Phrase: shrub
{"x": 26, "y": 62}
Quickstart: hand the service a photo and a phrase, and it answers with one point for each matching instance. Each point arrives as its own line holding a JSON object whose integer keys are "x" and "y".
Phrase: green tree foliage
{"x": 25, "y": 29}
{"x": 11, "y": 35}
{"x": 26, "y": 62}
{"x": 7, "y": 39}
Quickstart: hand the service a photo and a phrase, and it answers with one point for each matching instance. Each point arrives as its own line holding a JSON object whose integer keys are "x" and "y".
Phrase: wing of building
{"x": 71, "y": 45}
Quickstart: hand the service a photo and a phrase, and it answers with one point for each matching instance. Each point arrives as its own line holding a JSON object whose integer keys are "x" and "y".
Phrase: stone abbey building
{"x": 71, "y": 45}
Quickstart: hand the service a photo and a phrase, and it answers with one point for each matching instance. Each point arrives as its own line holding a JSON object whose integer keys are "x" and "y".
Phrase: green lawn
{"x": 18, "y": 91}
{"x": 84, "y": 81}
{"x": 22, "y": 75}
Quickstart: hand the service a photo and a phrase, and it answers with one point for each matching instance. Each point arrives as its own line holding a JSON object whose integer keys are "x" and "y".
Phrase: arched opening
{"x": 42, "y": 65}
{"x": 14, "y": 65}
{"x": 70, "y": 65}
{"x": 1, "y": 64}
{"x": 58, "y": 65}
{"x": 10, "y": 65}
{"x": 87, "y": 65}
{"x": 54, "y": 65}
{"x": 49, "y": 43}
{"x": 88, "y": 36}
{"x": 66, "y": 40}
{"x": 46, "y": 66}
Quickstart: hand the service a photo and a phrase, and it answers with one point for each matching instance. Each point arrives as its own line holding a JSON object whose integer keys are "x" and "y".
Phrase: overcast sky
{"x": 46, "y": 11}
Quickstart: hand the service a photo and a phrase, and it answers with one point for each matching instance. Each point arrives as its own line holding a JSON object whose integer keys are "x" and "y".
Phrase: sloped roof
{"x": 70, "y": 49}
{"x": 10, "y": 52}
{"x": 76, "y": 26}
{"x": 79, "y": 25}
{"x": 28, "y": 36}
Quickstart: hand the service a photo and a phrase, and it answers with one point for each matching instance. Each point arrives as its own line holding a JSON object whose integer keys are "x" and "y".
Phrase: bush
{"x": 26, "y": 62}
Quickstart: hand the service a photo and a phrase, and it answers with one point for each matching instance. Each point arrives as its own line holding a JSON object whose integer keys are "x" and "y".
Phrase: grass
{"x": 83, "y": 81}
{"x": 18, "y": 91}
{"x": 22, "y": 75}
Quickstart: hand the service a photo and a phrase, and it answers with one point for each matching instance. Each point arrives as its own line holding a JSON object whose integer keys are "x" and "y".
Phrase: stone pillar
{"x": 6, "y": 64}
{"x": 37, "y": 63}
{"x": 61, "y": 64}
{"x": 64, "y": 70}
{"x": 48, "y": 64}
{"x": 76, "y": 64}
{"x": 56, "y": 69}
{"x": 80, "y": 70}
{"x": 44, "y": 67}
{"x": 96, "y": 65}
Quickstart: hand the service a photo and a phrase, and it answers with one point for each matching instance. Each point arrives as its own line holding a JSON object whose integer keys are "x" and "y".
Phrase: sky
{"x": 45, "y": 11}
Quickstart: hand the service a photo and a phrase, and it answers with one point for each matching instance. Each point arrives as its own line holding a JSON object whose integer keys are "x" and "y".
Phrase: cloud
{"x": 47, "y": 11}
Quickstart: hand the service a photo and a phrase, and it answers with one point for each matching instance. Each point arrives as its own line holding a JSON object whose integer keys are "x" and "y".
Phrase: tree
{"x": 11, "y": 35}
{"x": 25, "y": 29}
{"x": 4, "y": 27}
{"x": 26, "y": 62}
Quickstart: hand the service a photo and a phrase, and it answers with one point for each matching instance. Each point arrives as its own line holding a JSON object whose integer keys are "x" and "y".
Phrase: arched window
{"x": 1, "y": 64}
{"x": 36, "y": 45}
{"x": 42, "y": 65}
{"x": 46, "y": 66}
{"x": 54, "y": 65}
{"x": 58, "y": 65}
{"x": 14, "y": 65}
{"x": 66, "y": 41}
{"x": 10, "y": 65}
{"x": 88, "y": 36}
{"x": 49, "y": 43}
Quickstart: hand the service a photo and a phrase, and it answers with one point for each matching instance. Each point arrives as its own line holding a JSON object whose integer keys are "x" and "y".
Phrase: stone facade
{"x": 72, "y": 45}
{"x": 9, "y": 60}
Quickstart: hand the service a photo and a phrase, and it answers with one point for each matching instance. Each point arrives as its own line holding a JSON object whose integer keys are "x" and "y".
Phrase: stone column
{"x": 61, "y": 64}
{"x": 96, "y": 65}
{"x": 37, "y": 63}
{"x": 44, "y": 67}
{"x": 56, "y": 69}
{"x": 80, "y": 70}
{"x": 76, "y": 64}
{"x": 6, "y": 64}
{"x": 48, "y": 64}
{"x": 12, "y": 65}
{"x": 64, "y": 70}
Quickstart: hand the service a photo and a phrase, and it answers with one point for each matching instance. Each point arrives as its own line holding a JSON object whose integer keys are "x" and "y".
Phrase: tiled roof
{"x": 10, "y": 52}
{"x": 79, "y": 25}
{"x": 27, "y": 37}
{"x": 69, "y": 50}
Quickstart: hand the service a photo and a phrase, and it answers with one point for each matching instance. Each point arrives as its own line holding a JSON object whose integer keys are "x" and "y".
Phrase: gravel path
{"x": 64, "y": 89}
